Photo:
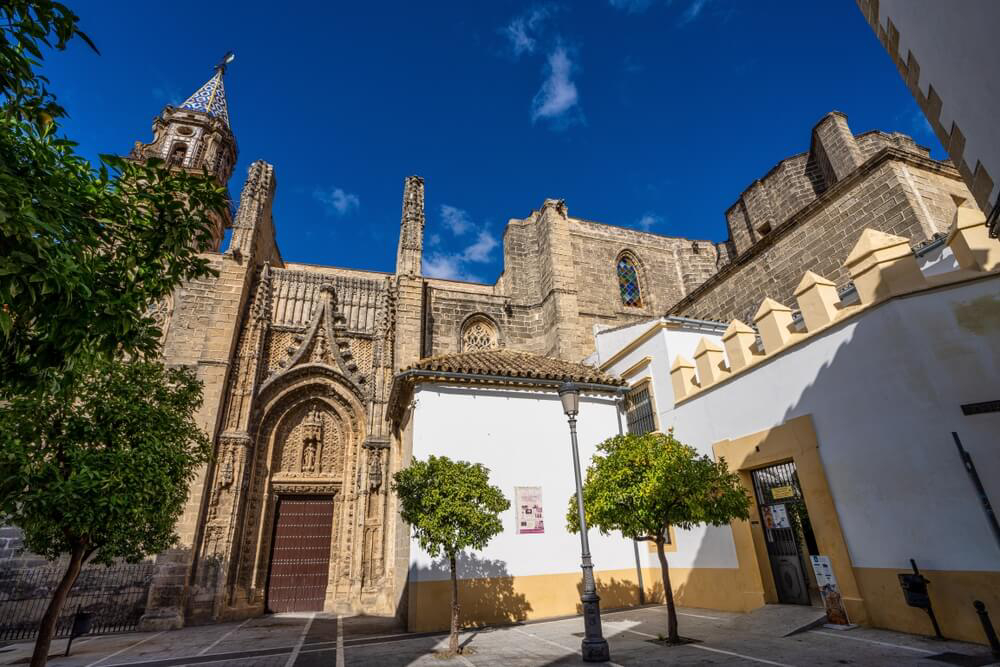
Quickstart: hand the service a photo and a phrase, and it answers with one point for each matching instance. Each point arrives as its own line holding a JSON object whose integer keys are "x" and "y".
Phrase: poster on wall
{"x": 528, "y": 500}
{"x": 779, "y": 517}
{"x": 832, "y": 601}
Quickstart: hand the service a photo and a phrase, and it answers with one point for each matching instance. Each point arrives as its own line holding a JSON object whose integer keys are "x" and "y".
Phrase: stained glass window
{"x": 628, "y": 282}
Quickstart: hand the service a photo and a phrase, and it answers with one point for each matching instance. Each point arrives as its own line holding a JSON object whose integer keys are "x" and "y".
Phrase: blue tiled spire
{"x": 211, "y": 97}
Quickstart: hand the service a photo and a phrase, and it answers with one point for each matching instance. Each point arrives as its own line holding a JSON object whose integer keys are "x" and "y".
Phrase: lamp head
{"x": 569, "y": 394}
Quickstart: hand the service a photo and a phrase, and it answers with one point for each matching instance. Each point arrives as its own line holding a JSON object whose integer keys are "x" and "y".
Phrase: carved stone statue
{"x": 309, "y": 456}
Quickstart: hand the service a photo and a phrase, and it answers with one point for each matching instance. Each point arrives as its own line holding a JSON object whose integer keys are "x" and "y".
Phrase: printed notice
{"x": 779, "y": 517}
{"x": 528, "y": 500}
{"x": 781, "y": 492}
{"x": 828, "y": 589}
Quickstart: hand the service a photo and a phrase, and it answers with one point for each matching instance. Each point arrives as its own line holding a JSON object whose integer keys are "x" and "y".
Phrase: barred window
{"x": 628, "y": 281}
{"x": 639, "y": 410}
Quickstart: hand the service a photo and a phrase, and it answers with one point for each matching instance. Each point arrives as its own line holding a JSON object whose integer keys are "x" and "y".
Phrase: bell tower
{"x": 196, "y": 135}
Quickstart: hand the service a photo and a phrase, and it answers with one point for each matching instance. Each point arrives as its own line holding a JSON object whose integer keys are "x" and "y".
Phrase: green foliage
{"x": 29, "y": 26}
{"x": 450, "y": 504}
{"x": 84, "y": 252}
{"x": 642, "y": 484}
{"x": 105, "y": 465}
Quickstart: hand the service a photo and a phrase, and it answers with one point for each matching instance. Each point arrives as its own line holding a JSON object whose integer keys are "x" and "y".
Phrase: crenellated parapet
{"x": 881, "y": 266}
{"x": 797, "y": 216}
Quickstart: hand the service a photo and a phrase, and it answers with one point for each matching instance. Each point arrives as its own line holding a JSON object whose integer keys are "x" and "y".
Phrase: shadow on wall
{"x": 883, "y": 400}
{"x": 934, "y": 352}
{"x": 486, "y": 593}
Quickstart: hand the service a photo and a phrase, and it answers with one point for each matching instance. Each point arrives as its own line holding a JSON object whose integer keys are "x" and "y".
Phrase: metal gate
{"x": 115, "y": 595}
{"x": 300, "y": 555}
{"x": 783, "y": 519}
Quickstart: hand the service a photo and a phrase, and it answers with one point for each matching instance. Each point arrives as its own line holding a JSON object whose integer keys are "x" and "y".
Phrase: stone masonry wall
{"x": 897, "y": 192}
{"x": 668, "y": 269}
{"x": 550, "y": 296}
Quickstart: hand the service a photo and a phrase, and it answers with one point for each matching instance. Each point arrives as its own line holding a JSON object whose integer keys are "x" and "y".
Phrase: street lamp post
{"x": 595, "y": 646}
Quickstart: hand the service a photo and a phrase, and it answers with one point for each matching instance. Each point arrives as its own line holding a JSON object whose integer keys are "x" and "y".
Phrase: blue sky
{"x": 651, "y": 114}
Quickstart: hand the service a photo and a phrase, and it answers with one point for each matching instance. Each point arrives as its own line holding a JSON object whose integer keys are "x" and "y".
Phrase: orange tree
{"x": 100, "y": 470}
{"x": 84, "y": 251}
{"x": 641, "y": 485}
{"x": 451, "y": 506}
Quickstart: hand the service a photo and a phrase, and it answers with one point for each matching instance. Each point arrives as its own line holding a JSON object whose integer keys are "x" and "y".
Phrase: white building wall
{"x": 884, "y": 391}
{"x": 955, "y": 44}
{"x": 701, "y": 546}
{"x": 523, "y": 438}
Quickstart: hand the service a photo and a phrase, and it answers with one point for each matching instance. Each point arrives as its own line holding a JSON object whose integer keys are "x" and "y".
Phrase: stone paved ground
{"x": 308, "y": 640}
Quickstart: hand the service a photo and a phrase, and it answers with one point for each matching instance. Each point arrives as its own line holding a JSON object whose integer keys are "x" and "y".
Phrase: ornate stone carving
{"x": 374, "y": 469}
{"x": 312, "y": 442}
{"x": 162, "y": 313}
{"x": 479, "y": 333}
{"x": 306, "y": 487}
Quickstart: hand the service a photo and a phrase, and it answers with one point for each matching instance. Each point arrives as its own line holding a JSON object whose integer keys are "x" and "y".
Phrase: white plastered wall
{"x": 522, "y": 436}
{"x": 955, "y": 45}
{"x": 884, "y": 390}
{"x": 701, "y": 546}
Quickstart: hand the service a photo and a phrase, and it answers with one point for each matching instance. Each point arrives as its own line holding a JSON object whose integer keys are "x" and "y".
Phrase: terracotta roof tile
{"x": 510, "y": 363}
{"x": 499, "y": 367}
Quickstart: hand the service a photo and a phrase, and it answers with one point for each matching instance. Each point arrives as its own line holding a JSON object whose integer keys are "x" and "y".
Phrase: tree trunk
{"x": 668, "y": 593}
{"x": 48, "y": 628}
{"x": 453, "y": 639}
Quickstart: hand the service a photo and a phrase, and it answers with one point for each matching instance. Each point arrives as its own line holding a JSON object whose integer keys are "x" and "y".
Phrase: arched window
{"x": 628, "y": 281}
{"x": 177, "y": 153}
{"x": 479, "y": 333}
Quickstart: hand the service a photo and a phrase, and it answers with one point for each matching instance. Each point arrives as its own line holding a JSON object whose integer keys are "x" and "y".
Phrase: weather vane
{"x": 226, "y": 59}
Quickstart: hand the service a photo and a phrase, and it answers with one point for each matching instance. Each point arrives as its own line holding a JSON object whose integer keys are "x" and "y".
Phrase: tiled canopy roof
{"x": 210, "y": 98}
{"x": 511, "y": 364}
{"x": 498, "y": 367}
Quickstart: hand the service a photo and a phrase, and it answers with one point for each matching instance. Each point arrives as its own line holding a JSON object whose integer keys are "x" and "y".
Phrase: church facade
{"x": 298, "y": 361}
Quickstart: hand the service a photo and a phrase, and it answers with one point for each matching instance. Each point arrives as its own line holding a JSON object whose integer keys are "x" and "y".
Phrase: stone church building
{"x": 298, "y": 361}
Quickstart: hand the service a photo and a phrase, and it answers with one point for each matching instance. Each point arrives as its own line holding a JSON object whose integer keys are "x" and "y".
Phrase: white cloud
{"x": 522, "y": 30}
{"x": 336, "y": 201}
{"x": 455, "y": 219}
{"x": 447, "y": 267}
{"x": 692, "y": 12}
{"x": 631, "y": 6}
{"x": 454, "y": 265}
{"x": 482, "y": 249}
{"x": 558, "y": 95}
{"x": 648, "y": 221}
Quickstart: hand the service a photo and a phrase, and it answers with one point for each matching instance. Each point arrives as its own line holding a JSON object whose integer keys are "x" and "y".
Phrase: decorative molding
{"x": 630, "y": 348}
{"x": 306, "y": 487}
{"x": 636, "y": 367}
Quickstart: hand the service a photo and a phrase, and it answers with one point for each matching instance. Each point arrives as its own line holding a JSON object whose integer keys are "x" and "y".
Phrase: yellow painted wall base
{"x": 500, "y": 600}
{"x": 952, "y": 594}
{"x": 704, "y": 587}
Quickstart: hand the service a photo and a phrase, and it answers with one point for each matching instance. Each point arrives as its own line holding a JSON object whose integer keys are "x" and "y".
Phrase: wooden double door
{"x": 300, "y": 553}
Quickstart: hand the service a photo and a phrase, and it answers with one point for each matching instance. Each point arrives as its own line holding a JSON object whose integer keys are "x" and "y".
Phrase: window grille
{"x": 628, "y": 282}
{"x": 479, "y": 334}
{"x": 639, "y": 410}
